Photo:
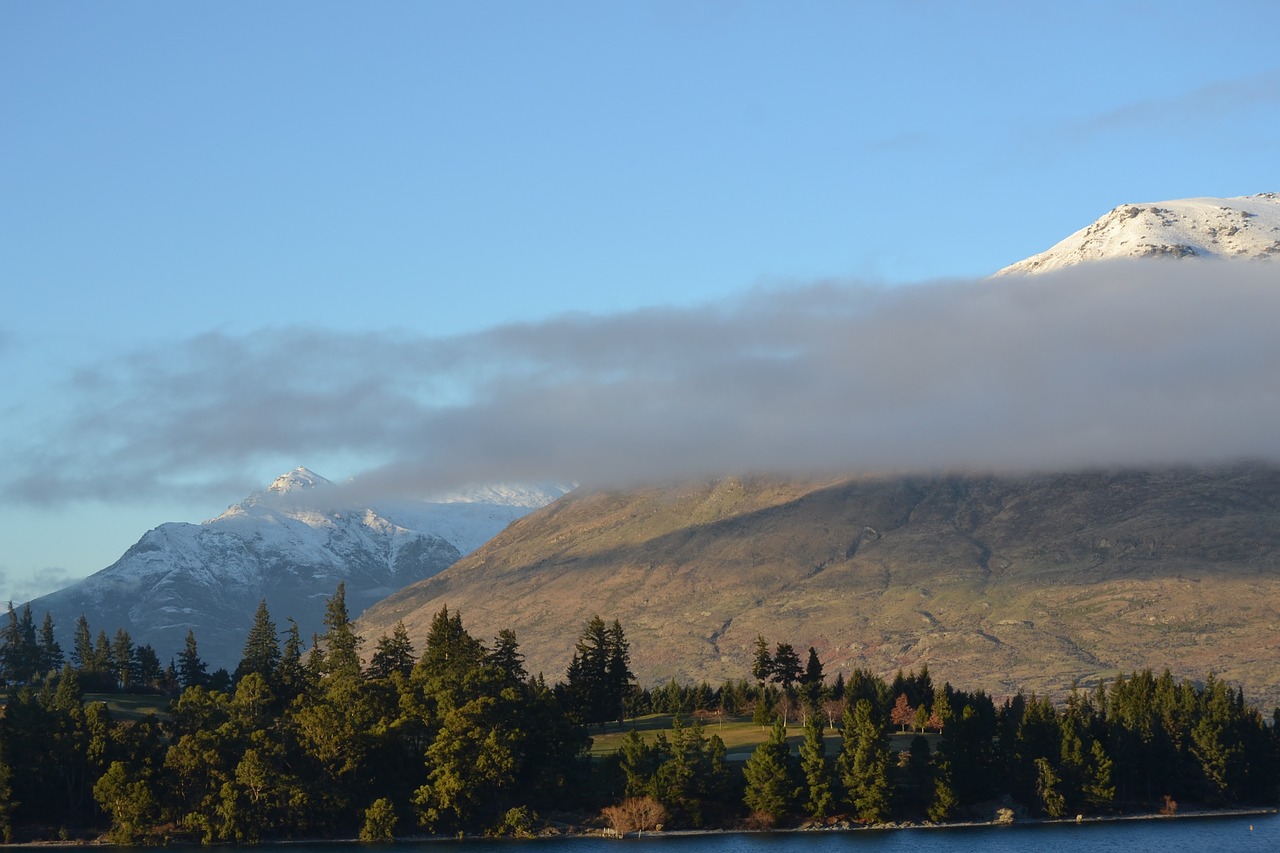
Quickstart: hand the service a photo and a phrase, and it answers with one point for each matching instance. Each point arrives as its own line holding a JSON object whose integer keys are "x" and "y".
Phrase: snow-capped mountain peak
{"x": 299, "y": 479}
{"x": 291, "y": 544}
{"x": 1246, "y": 227}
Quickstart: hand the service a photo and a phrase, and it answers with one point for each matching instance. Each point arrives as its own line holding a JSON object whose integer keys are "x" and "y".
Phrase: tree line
{"x": 325, "y": 741}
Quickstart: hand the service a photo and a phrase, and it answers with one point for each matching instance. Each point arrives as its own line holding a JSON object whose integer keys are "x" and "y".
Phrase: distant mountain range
{"x": 290, "y": 544}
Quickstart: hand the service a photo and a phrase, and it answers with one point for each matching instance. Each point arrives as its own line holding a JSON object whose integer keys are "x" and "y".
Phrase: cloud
{"x": 28, "y": 586}
{"x": 1110, "y": 364}
{"x": 1208, "y": 102}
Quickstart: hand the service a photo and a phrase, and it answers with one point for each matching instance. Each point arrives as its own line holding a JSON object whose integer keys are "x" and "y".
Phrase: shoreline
{"x": 580, "y": 833}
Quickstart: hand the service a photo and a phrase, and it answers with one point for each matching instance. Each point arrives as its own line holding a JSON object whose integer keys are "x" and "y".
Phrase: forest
{"x": 329, "y": 740}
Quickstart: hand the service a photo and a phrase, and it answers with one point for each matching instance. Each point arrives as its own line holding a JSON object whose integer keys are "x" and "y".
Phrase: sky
{"x": 427, "y": 244}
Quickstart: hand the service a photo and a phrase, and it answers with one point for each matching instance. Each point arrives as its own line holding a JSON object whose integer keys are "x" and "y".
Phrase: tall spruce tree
{"x": 761, "y": 662}
{"x": 261, "y": 646}
{"x": 392, "y": 654}
{"x": 51, "y": 657}
{"x": 864, "y": 764}
{"x": 770, "y": 778}
{"x": 819, "y": 798}
{"x": 192, "y": 671}
{"x": 599, "y": 678}
{"x": 341, "y": 643}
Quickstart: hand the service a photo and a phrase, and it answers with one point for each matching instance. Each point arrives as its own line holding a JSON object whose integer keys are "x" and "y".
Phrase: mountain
{"x": 291, "y": 544}
{"x": 1006, "y": 583}
{"x": 1247, "y": 227}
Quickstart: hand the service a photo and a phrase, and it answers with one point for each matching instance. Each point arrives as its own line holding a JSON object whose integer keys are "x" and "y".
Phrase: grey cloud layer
{"x": 1115, "y": 364}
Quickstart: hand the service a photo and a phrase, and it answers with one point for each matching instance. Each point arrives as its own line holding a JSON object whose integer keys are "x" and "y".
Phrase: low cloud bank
{"x": 1110, "y": 364}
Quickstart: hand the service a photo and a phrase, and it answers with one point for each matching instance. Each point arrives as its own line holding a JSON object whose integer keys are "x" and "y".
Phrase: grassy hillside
{"x": 1002, "y": 583}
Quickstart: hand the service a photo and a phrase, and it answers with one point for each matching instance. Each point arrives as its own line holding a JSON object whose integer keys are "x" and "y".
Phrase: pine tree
{"x": 342, "y": 644}
{"x": 291, "y": 676}
{"x": 506, "y": 657}
{"x": 82, "y": 647}
{"x": 864, "y": 764}
{"x": 819, "y": 799}
{"x": 786, "y": 667}
{"x": 812, "y": 681}
{"x": 1099, "y": 787}
{"x": 770, "y": 791}
{"x": 599, "y": 678}
{"x": 192, "y": 671}
{"x": 122, "y": 658}
{"x": 392, "y": 654}
{"x": 51, "y": 657}
{"x": 618, "y": 675}
{"x": 762, "y": 662}
{"x": 261, "y": 646}
{"x": 944, "y": 802}
{"x": 1047, "y": 788}
{"x": 451, "y": 652}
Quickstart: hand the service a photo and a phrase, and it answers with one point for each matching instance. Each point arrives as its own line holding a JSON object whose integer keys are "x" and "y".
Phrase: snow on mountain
{"x": 291, "y": 543}
{"x": 1247, "y": 227}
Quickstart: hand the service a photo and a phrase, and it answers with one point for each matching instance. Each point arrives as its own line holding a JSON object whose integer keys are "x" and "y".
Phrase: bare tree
{"x": 635, "y": 814}
{"x": 834, "y": 709}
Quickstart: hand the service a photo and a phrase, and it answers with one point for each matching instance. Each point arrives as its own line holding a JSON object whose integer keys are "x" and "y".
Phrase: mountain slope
{"x": 1210, "y": 228}
{"x": 1004, "y": 583}
{"x": 285, "y": 544}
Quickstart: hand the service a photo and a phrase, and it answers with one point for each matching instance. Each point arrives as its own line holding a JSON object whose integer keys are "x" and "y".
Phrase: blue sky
{"x": 190, "y": 193}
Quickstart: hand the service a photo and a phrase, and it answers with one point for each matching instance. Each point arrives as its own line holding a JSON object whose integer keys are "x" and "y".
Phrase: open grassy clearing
{"x": 131, "y": 706}
{"x": 739, "y": 734}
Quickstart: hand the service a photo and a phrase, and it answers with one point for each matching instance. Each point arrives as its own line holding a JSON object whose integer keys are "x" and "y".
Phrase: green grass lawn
{"x": 131, "y": 706}
{"x": 739, "y": 734}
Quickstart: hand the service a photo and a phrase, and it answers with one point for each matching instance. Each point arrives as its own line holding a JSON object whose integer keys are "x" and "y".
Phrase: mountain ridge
{"x": 289, "y": 544}
{"x": 995, "y": 581}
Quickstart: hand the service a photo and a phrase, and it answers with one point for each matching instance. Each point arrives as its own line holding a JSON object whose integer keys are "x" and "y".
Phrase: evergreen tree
{"x": 291, "y": 675}
{"x": 864, "y": 764}
{"x": 786, "y": 667}
{"x": 342, "y": 644}
{"x": 19, "y": 652}
{"x": 1099, "y": 787}
{"x": 122, "y": 658}
{"x": 762, "y": 663}
{"x": 819, "y": 798}
{"x": 146, "y": 667}
{"x": 770, "y": 780}
{"x": 619, "y": 679}
{"x": 944, "y": 802}
{"x": 451, "y": 652}
{"x": 192, "y": 671}
{"x": 51, "y": 657}
{"x": 599, "y": 678}
{"x": 392, "y": 654}
{"x": 812, "y": 682}
{"x": 1047, "y": 788}
{"x": 261, "y": 646}
{"x": 82, "y": 647}
{"x": 506, "y": 657}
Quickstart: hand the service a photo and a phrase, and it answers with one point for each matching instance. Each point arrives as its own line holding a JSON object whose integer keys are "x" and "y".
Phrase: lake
{"x": 1237, "y": 834}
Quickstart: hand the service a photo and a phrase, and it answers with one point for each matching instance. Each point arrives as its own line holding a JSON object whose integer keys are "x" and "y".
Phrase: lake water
{"x": 1242, "y": 834}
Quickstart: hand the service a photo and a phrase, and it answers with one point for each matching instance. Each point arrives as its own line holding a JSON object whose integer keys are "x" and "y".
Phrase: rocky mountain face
{"x": 1027, "y": 583}
{"x": 1209, "y": 228}
{"x": 290, "y": 544}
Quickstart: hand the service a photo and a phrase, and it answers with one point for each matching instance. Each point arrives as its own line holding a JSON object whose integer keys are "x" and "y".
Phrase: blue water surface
{"x": 1237, "y": 834}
